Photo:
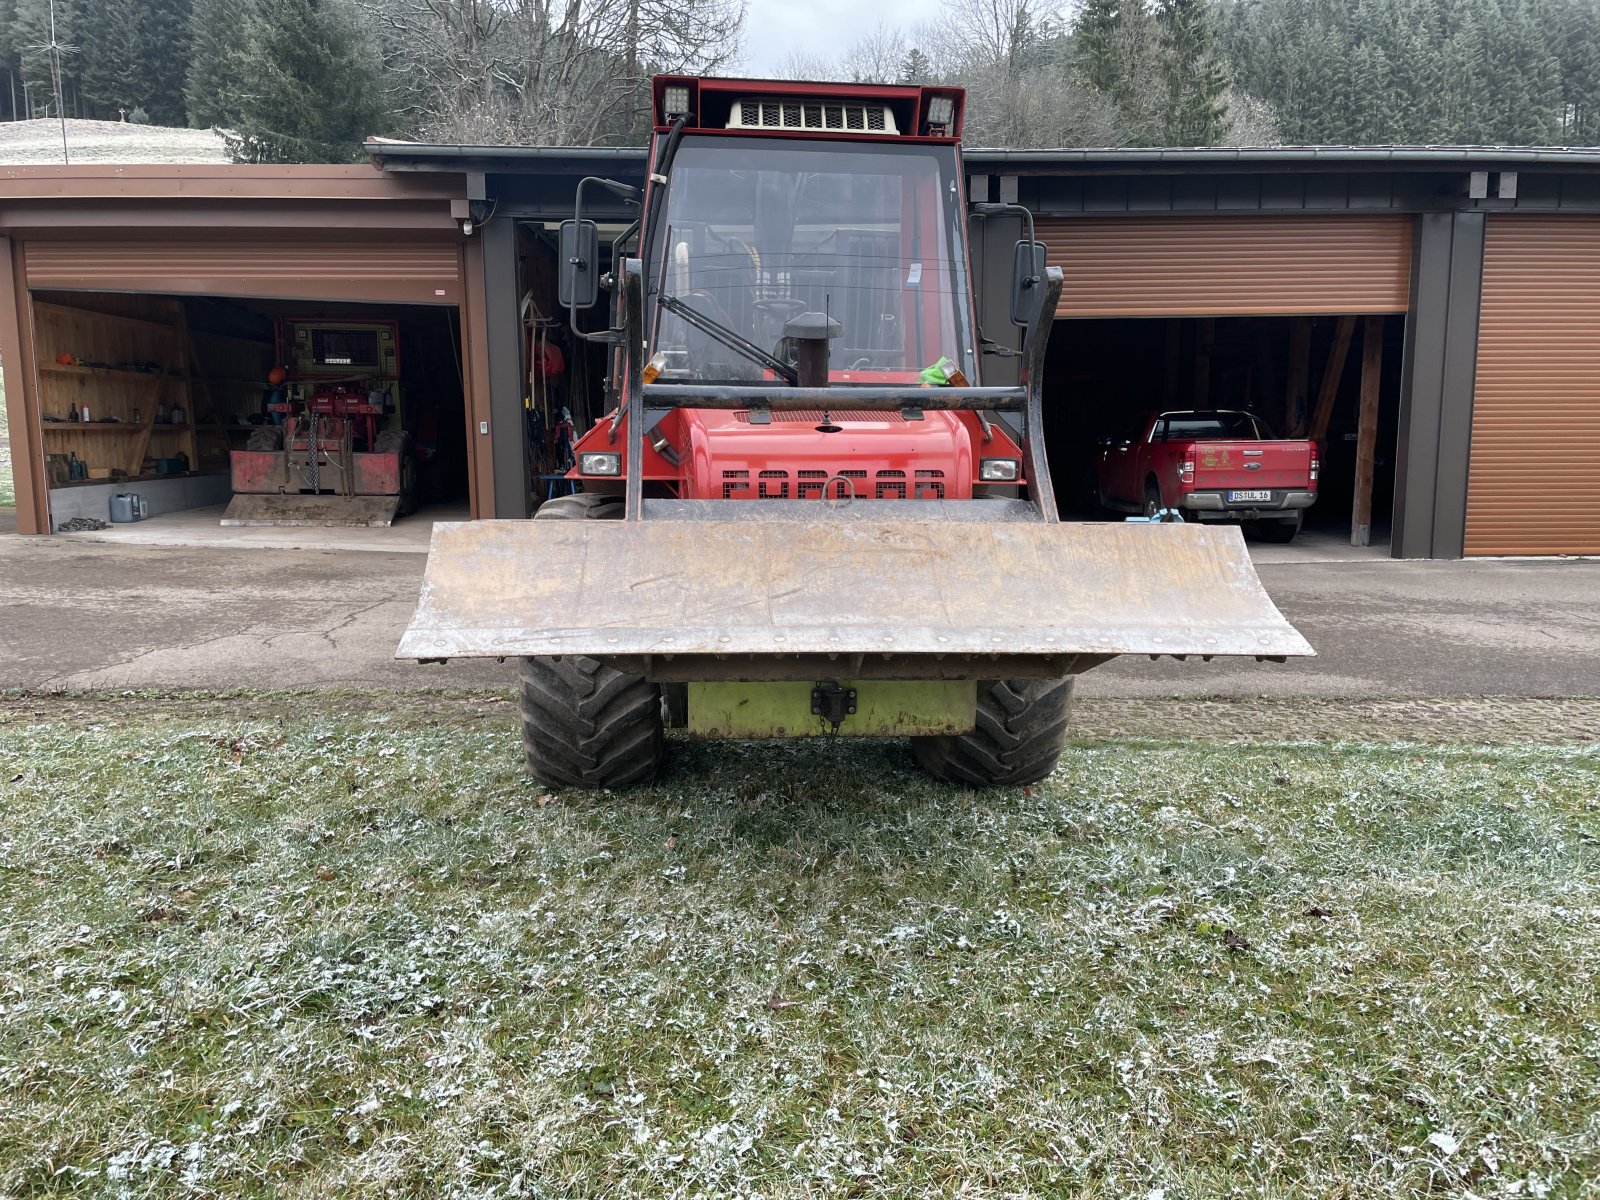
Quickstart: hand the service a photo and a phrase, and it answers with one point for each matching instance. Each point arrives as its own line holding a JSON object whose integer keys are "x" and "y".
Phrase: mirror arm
{"x": 629, "y": 195}
{"x": 989, "y": 208}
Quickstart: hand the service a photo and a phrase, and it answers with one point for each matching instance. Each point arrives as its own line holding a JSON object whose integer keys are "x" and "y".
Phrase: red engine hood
{"x": 884, "y": 455}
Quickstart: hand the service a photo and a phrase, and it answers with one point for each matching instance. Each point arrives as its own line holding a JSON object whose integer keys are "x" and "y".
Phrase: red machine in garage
{"x": 337, "y": 452}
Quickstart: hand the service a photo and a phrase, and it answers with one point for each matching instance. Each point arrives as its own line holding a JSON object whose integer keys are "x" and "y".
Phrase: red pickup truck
{"x": 1211, "y": 465}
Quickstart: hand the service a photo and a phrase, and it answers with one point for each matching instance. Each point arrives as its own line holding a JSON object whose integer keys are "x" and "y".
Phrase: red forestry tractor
{"x": 806, "y": 515}
{"x": 335, "y": 453}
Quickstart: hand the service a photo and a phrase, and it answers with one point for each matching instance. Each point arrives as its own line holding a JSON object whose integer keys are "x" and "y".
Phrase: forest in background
{"x": 307, "y": 80}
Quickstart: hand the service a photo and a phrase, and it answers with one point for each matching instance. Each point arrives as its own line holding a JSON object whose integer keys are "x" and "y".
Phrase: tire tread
{"x": 1020, "y": 732}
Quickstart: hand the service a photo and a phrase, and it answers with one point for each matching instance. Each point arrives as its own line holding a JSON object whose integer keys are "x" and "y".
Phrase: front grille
{"x": 808, "y": 484}
{"x": 811, "y": 115}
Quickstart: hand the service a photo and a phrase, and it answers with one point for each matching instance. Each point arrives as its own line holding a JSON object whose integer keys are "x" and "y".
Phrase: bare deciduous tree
{"x": 547, "y": 72}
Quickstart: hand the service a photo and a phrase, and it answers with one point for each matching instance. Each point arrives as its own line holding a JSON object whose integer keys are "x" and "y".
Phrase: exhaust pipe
{"x": 811, "y": 332}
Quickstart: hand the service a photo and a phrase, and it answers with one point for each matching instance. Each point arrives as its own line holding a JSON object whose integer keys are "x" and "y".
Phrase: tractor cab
{"x": 753, "y": 236}
{"x": 771, "y": 202}
{"x": 807, "y": 235}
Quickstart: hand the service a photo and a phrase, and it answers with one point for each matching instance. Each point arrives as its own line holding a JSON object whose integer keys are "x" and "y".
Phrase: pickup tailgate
{"x": 1277, "y": 465}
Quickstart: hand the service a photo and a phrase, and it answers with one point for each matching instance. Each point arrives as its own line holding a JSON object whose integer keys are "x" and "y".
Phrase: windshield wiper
{"x": 729, "y": 338}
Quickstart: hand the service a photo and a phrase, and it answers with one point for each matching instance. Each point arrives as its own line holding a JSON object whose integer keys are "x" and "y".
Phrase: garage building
{"x": 141, "y": 308}
{"x": 1426, "y": 313}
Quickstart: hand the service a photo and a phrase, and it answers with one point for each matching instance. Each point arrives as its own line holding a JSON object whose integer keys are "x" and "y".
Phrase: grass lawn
{"x": 349, "y": 950}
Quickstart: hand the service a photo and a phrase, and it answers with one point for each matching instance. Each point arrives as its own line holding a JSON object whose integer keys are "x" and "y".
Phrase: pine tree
{"x": 917, "y": 68}
{"x": 1575, "y": 28}
{"x": 108, "y": 50}
{"x": 1094, "y": 46}
{"x": 1194, "y": 78}
{"x": 309, "y": 91}
{"x": 30, "y": 35}
{"x": 211, "y": 87}
{"x": 163, "y": 51}
{"x": 132, "y": 54}
{"x": 1430, "y": 71}
{"x": 10, "y": 65}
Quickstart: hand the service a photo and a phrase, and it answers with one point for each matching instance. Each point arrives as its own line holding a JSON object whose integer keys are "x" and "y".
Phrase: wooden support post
{"x": 1317, "y": 431}
{"x": 1367, "y": 431}
{"x": 1205, "y": 338}
{"x": 1169, "y": 397}
{"x": 1294, "y": 401}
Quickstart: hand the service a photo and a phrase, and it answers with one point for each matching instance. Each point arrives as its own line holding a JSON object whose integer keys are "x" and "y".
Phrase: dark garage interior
{"x": 1102, "y": 373}
{"x": 172, "y": 384}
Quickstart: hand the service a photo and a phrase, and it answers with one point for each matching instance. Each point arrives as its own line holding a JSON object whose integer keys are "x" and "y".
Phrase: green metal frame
{"x": 884, "y": 708}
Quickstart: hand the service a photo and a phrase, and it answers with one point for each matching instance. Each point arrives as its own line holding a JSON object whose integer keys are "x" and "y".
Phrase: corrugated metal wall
{"x": 392, "y": 271}
{"x": 1231, "y": 266}
{"x": 1533, "y": 483}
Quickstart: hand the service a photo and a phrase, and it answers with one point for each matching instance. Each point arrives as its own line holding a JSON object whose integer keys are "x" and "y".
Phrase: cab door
{"x": 1120, "y": 455}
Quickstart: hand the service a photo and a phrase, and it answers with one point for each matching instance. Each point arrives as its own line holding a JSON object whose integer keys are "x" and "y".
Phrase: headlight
{"x": 599, "y": 464}
{"x": 997, "y": 469}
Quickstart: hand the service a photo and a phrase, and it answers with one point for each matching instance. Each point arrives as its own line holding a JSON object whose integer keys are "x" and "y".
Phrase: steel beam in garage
{"x": 1441, "y": 350}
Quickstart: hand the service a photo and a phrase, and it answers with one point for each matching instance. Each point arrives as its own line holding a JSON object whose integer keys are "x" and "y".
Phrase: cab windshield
{"x": 755, "y": 233}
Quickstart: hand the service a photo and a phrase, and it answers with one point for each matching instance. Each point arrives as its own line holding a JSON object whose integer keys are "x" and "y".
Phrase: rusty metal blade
{"x": 333, "y": 511}
{"x": 687, "y": 588}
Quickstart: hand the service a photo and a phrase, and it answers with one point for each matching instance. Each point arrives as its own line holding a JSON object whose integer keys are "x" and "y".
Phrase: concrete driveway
{"x": 109, "y": 614}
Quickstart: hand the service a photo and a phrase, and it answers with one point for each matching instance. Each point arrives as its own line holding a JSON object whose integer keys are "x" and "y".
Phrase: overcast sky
{"x": 774, "y": 29}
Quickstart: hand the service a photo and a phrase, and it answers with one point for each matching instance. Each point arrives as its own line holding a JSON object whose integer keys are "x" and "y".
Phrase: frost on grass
{"x": 360, "y": 955}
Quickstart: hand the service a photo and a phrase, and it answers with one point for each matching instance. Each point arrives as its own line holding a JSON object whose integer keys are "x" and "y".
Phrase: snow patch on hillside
{"x": 39, "y": 143}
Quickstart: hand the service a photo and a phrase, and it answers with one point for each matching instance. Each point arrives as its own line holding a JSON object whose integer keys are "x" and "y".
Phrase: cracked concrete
{"x": 78, "y": 614}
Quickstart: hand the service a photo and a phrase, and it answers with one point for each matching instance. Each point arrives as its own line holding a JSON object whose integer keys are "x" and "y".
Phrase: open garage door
{"x": 1297, "y": 319}
{"x": 392, "y": 270}
{"x": 1230, "y": 266}
{"x": 1531, "y": 483}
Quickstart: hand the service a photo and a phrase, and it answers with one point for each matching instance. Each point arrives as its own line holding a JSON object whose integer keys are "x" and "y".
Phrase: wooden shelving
{"x": 207, "y": 376}
{"x": 65, "y": 369}
{"x": 110, "y": 427}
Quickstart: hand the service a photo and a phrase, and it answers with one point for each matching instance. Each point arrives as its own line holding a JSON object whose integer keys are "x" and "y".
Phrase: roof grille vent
{"x": 813, "y": 116}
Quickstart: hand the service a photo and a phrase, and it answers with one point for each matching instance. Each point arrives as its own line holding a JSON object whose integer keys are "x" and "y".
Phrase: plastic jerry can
{"x": 127, "y": 506}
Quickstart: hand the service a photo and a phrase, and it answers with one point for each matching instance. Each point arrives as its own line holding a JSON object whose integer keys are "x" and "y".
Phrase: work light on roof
{"x": 675, "y": 100}
{"x": 941, "y": 111}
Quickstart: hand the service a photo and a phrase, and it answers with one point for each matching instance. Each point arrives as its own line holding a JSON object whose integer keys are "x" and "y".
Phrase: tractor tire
{"x": 1022, "y": 728}
{"x": 586, "y": 725}
{"x": 398, "y": 441}
{"x": 265, "y": 437}
{"x": 581, "y": 506}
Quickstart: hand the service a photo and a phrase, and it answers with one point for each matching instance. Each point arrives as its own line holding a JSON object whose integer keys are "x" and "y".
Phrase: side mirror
{"x": 579, "y": 250}
{"x": 1027, "y": 281}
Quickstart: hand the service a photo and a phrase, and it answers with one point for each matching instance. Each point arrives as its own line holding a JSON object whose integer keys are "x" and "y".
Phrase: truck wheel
{"x": 582, "y": 506}
{"x": 1279, "y": 533}
{"x": 587, "y": 725}
{"x": 1152, "y": 498}
{"x": 584, "y": 724}
{"x": 1022, "y": 727}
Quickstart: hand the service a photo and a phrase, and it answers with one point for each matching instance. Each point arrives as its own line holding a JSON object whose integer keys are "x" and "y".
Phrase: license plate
{"x": 1248, "y": 497}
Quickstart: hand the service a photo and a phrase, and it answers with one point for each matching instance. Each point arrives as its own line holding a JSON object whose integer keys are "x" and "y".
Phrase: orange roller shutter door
{"x": 1533, "y": 486}
{"x": 1230, "y": 266}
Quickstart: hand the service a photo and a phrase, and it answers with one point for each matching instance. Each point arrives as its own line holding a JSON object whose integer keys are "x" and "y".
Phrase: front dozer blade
{"x": 310, "y": 510}
{"x": 904, "y": 598}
